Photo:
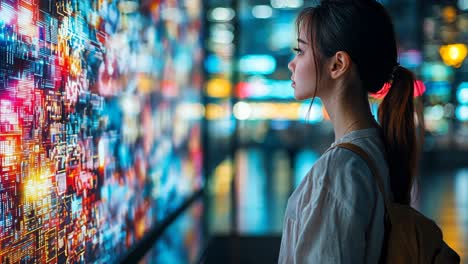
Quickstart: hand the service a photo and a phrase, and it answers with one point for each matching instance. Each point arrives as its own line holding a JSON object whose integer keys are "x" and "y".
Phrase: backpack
{"x": 410, "y": 237}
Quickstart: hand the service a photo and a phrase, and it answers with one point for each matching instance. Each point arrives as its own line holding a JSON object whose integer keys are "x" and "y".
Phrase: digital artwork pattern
{"x": 99, "y": 124}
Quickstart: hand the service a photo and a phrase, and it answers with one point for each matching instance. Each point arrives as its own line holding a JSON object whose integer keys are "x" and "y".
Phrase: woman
{"x": 347, "y": 49}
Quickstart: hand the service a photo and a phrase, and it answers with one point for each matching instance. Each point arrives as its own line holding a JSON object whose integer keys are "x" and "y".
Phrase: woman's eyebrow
{"x": 301, "y": 41}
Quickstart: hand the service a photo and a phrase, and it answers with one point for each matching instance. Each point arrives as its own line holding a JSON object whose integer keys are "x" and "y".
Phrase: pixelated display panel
{"x": 99, "y": 124}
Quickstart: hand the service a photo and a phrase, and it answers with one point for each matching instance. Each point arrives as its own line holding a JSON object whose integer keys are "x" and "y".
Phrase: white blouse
{"x": 336, "y": 214}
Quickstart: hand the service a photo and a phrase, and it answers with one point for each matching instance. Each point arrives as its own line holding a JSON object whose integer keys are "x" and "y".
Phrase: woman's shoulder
{"x": 369, "y": 140}
{"x": 343, "y": 174}
{"x": 348, "y": 177}
{"x": 342, "y": 164}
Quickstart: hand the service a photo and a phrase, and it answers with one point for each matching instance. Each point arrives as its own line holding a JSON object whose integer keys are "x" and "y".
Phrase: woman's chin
{"x": 298, "y": 96}
{"x": 302, "y": 96}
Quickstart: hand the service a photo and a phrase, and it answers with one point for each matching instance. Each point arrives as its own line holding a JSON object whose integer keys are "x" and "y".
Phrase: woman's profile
{"x": 345, "y": 50}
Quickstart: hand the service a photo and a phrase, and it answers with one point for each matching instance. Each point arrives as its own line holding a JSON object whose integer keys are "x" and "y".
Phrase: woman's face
{"x": 302, "y": 68}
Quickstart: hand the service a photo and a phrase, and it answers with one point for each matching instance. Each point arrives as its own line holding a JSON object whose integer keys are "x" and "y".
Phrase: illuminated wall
{"x": 99, "y": 124}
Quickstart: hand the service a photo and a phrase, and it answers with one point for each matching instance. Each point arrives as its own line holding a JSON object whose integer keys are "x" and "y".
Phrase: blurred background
{"x": 166, "y": 131}
{"x": 259, "y": 145}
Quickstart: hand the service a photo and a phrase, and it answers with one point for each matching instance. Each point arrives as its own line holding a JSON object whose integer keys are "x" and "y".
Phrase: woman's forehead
{"x": 303, "y": 32}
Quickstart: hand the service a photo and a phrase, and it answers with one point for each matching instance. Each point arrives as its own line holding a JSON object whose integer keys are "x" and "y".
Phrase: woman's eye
{"x": 297, "y": 50}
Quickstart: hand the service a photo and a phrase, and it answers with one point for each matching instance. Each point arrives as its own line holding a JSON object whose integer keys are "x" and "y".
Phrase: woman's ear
{"x": 340, "y": 63}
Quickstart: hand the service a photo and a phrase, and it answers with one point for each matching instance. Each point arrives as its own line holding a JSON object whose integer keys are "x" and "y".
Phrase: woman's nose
{"x": 291, "y": 66}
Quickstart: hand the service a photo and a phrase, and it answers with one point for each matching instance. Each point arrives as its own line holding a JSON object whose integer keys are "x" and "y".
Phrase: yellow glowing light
{"x": 448, "y": 219}
{"x": 140, "y": 227}
{"x": 215, "y": 111}
{"x": 219, "y": 88}
{"x": 146, "y": 84}
{"x": 75, "y": 63}
{"x": 272, "y": 111}
{"x": 221, "y": 184}
{"x": 449, "y": 14}
{"x": 453, "y": 54}
{"x": 32, "y": 191}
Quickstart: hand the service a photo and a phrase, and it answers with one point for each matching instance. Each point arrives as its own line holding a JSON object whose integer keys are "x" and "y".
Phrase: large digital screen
{"x": 182, "y": 242}
{"x": 100, "y": 112}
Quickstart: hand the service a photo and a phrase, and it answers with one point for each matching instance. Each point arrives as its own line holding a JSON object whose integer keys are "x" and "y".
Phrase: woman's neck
{"x": 349, "y": 113}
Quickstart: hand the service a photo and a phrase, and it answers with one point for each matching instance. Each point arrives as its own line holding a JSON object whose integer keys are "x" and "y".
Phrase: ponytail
{"x": 396, "y": 115}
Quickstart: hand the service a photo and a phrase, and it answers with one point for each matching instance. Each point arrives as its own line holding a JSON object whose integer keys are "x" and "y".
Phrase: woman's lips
{"x": 293, "y": 84}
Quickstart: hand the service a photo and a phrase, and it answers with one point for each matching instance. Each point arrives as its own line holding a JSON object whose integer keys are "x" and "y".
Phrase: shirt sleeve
{"x": 330, "y": 231}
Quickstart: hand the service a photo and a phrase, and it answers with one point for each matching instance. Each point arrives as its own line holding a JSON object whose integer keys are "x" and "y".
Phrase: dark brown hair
{"x": 364, "y": 30}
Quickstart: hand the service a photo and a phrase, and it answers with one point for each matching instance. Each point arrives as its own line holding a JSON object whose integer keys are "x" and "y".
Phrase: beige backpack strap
{"x": 363, "y": 154}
